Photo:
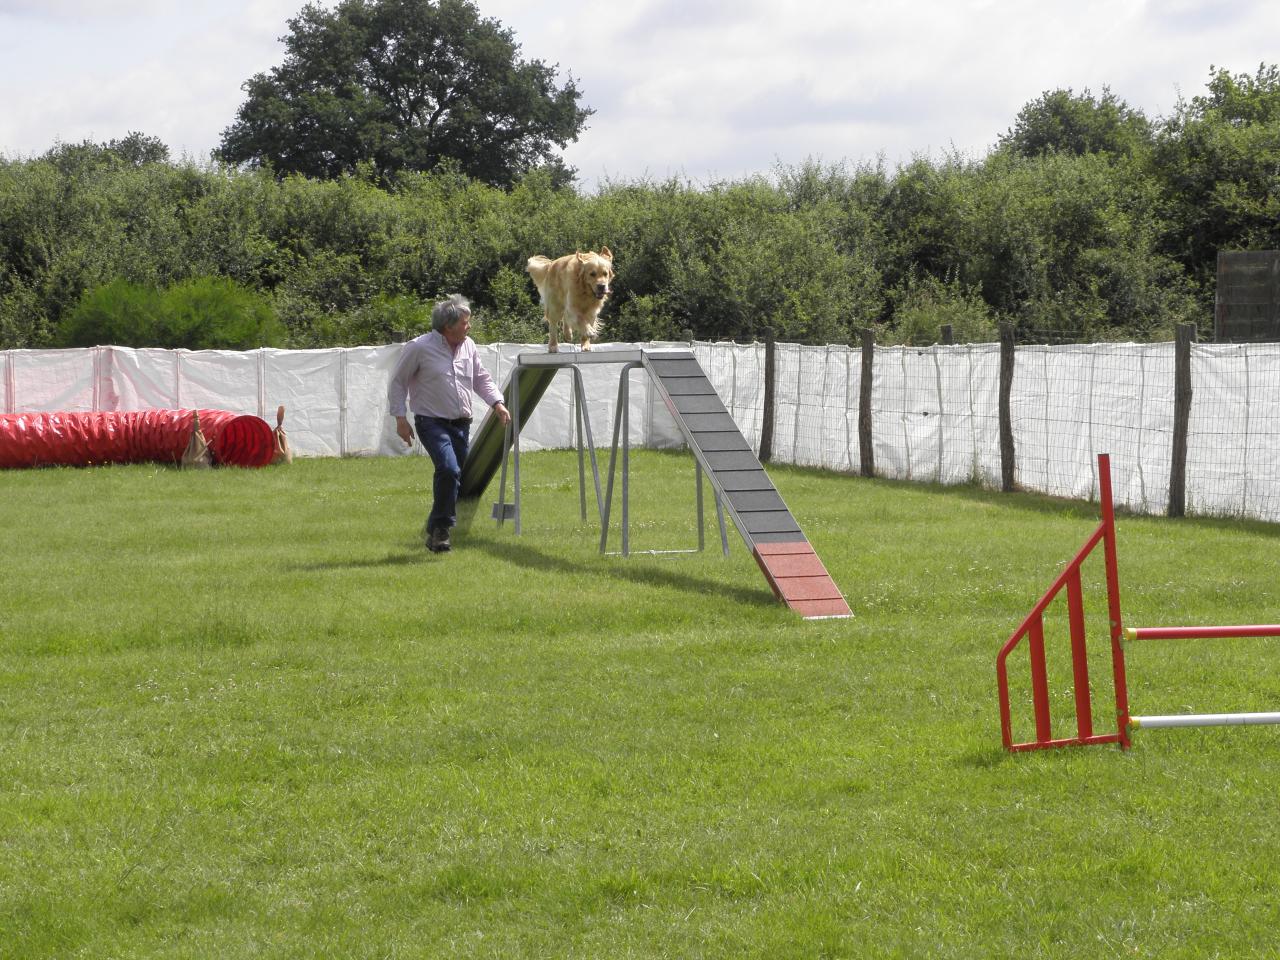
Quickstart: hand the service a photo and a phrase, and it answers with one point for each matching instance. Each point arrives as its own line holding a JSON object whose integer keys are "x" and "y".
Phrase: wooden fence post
{"x": 866, "y": 452}
{"x": 946, "y": 335}
{"x": 1181, "y": 418}
{"x": 1006, "y": 417}
{"x": 766, "y": 415}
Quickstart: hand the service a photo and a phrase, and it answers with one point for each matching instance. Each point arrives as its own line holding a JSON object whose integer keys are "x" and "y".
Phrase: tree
{"x": 1219, "y": 159}
{"x": 135, "y": 150}
{"x": 1060, "y": 121}
{"x": 407, "y": 85}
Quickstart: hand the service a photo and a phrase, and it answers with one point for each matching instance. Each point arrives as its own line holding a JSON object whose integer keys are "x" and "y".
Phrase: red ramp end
{"x": 799, "y": 579}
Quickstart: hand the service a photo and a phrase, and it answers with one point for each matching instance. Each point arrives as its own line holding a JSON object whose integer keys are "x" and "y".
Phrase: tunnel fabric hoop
{"x": 84, "y": 439}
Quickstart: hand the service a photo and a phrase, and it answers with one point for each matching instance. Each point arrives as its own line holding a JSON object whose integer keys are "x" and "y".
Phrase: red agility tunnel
{"x": 83, "y": 439}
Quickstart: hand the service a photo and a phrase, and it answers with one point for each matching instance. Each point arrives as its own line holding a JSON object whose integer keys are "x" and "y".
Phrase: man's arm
{"x": 483, "y": 385}
{"x": 398, "y": 389}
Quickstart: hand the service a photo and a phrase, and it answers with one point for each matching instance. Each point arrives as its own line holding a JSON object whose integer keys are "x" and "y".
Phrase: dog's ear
{"x": 582, "y": 257}
{"x": 606, "y": 253}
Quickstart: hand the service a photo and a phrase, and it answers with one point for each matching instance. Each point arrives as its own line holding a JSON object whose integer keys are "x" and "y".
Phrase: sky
{"x": 700, "y": 90}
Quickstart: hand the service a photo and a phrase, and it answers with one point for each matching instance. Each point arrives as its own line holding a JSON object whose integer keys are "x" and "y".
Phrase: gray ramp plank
{"x": 786, "y": 536}
{"x": 722, "y": 442}
{"x": 484, "y": 456}
{"x": 718, "y": 460}
{"x": 769, "y": 521}
{"x": 677, "y": 367}
{"x": 734, "y": 480}
{"x": 735, "y": 473}
{"x": 707, "y": 422}
{"x": 699, "y": 403}
{"x": 744, "y": 501}
{"x": 690, "y": 386}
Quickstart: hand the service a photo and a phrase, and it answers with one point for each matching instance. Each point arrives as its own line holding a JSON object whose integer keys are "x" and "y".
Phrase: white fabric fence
{"x": 934, "y": 410}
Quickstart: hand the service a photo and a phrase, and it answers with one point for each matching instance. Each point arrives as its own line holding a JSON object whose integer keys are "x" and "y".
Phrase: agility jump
{"x": 1032, "y": 629}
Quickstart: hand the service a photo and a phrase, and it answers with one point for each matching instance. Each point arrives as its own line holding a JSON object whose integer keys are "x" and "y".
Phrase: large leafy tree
{"x": 1061, "y": 121}
{"x": 135, "y": 150}
{"x": 404, "y": 85}
{"x": 1219, "y": 157}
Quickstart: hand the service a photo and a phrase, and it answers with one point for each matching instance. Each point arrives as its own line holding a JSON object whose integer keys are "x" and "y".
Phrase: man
{"x": 438, "y": 373}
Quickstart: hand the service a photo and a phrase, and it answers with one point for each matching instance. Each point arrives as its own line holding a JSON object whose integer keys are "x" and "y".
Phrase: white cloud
{"x": 74, "y": 11}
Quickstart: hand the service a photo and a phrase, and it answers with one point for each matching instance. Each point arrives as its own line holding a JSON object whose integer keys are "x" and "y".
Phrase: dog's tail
{"x": 537, "y": 268}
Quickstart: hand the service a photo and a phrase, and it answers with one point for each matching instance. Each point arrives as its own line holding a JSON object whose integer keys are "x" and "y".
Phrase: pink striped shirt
{"x": 438, "y": 381}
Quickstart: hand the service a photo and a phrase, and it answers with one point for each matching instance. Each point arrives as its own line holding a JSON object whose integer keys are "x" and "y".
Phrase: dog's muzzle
{"x": 601, "y": 292}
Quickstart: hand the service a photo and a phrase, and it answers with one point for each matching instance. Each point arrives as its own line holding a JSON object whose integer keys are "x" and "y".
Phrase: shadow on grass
{"x": 390, "y": 560}
{"x": 985, "y": 758}
{"x": 466, "y": 514}
{"x": 527, "y": 556}
{"x": 1030, "y": 502}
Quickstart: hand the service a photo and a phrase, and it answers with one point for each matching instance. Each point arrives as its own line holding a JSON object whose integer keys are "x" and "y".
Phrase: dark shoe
{"x": 438, "y": 541}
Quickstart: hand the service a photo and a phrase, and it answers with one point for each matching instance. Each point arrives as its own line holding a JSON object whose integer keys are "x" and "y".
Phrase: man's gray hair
{"x": 448, "y": 312}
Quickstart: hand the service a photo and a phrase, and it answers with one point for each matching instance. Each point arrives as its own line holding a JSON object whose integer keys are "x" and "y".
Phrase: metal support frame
{"x": 630, "y": 360}
{"x": 582, "y": 424}
{"x": 622, "y": 435}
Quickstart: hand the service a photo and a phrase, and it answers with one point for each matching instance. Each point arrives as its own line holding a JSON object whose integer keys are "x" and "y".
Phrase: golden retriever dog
{"x": 573, "y": 289}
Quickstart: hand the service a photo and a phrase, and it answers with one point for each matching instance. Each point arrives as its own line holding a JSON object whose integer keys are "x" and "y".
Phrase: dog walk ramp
{"x": 785, "y": 556}
{"x": 773, "y": 536}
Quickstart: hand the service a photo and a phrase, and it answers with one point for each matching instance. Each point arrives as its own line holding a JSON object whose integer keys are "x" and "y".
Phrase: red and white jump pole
{"x": 1032, "y": 628}
{"x": 1205, "y": 720}
{"x": 1203, "y": 633}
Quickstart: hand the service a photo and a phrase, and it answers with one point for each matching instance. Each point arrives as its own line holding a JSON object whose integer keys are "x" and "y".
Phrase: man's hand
{"x": 503, "y": 413}
{"x": 404, "y": 431}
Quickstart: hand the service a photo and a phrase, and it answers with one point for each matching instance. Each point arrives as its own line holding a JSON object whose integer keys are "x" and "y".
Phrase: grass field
{"x": 246, "y": 714}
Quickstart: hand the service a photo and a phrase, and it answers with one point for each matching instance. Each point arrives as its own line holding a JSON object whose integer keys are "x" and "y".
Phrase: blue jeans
{"x": 446, "y": 442}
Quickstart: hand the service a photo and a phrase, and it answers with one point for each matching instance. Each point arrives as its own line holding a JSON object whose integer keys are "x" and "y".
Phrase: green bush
{"x": 515, "y": 314}
{"x": 23, "y": 322}
{"x": 386, "y": 319}
{"x": 204, "y": 313}
{"x": 926, "y": 305}
{"x": 646, "y": 317}
{"x": 215, "y": 313}
{"x": 119, "y": 313}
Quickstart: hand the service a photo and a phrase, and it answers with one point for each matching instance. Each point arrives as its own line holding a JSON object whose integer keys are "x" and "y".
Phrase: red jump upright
{"x": 1032, "y": 628}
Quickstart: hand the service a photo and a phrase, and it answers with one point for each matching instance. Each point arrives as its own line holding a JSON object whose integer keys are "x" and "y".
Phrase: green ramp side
{"x": 487, "y": 449}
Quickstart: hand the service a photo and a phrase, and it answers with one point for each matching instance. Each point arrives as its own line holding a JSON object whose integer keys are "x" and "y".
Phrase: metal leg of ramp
{"x": 622, "y": 437}
{"x": 502, "y": 511}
